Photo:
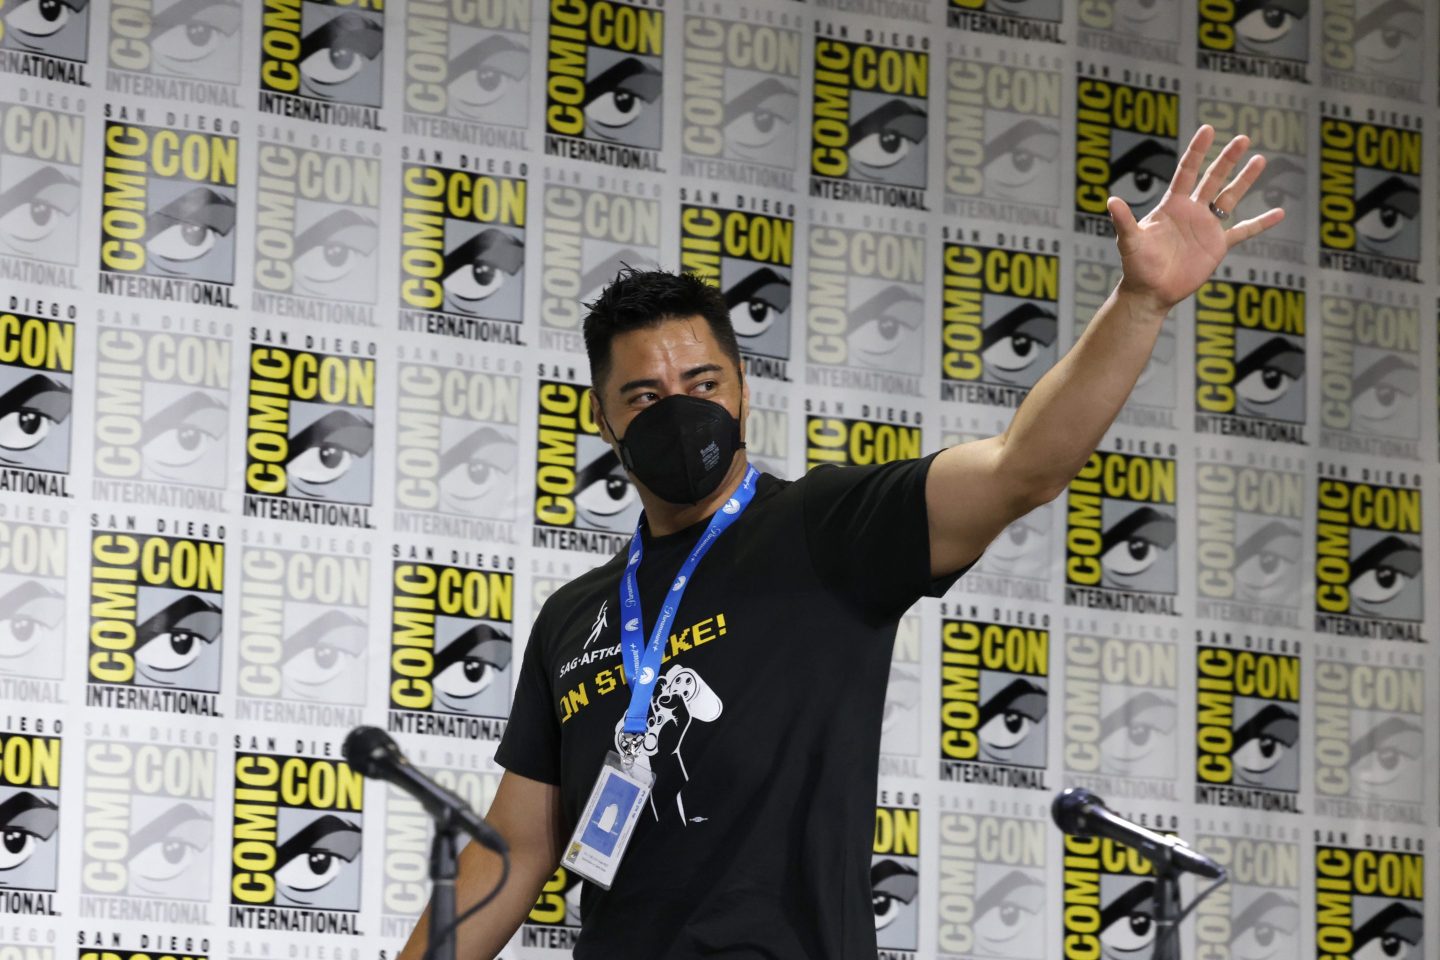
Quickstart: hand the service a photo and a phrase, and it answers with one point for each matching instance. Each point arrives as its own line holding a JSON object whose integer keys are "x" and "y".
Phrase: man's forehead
{"x": 680, "y": 342}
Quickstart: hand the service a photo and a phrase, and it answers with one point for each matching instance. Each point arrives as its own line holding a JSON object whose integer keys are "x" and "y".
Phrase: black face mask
{"x": 680, "y": 447}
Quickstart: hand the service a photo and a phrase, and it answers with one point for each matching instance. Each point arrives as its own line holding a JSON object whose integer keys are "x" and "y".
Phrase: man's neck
{"x": 663, "y": 517}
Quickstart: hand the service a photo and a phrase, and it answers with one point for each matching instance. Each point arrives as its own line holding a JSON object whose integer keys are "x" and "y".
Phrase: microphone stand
{"x": 444, "y": 866}
{"x": 1167, "y": 908}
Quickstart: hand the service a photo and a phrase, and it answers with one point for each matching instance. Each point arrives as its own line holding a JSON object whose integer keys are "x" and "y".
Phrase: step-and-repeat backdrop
{"x": 294, "y": 436}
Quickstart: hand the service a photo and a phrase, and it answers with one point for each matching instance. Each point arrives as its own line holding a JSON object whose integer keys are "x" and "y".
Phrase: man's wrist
{"x": 1140, "y": 306}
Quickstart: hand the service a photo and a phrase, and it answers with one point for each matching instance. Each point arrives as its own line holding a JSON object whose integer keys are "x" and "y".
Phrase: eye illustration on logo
{"x": 605, "y": 496}
{"x": 1384, "y": 217}
{"x": 1021, "y": 549}
{"x": 1384, "y": 397}
{"x": 167, "y": 854}
{"x": 488, "y": 77}
{"x": 893, "y": 887}
{"x": 30, "y": 413}
{"x": 313, "y": 859}
{"x": 1393, "y": 933}
{"x": 327, "y": 450}
{"x": 32, "y": 624}
{"x": 37, "y": 215}
{"x": 1008, "y": 719}
{"x": 336, "y": 57}
{"x": 1152, "y": 19}
{"x": 477, "y": 475}
{"x": 1141, "y": 174}
{"x": 884, "y": 137}
{"x": 480, "y": 267}
{"x": 884, "y": 330}
{"x": 1388, "y": 39}
{"x": 1020, "y": 160}
{"x": 1266, "y": 376}
{"x": 1267, "y": 564}
{"x": 1266, "y": 928}
{"x": 195, "y": 38}
{"x": 618, "y": 97}
{"x": 324, "y": 661}
{"x": 174, "y": 640}
{"x": 1261, "y": 26}
{"x": 1380, "y": 575}
{"x": 757, "y": 301}
{"x": 469, "y": 665}
{"x": 1127, "y": 924}
{"x": 1007, "y": 916}
{"x": 1385, "y": 760}
{"x": 1136, "y": 738}
{"x": 1135, "y": 545}
{"x": 179, "y": 442}
{"x": 187, "y": 228}
{"x": 27, "y": 824}
{"x": 1281, "y": 184}
{"x": 55, "y": 27}
{"x": 335, "y": 254}
{"x": 760, "y": 122}
{"x": 1015, "y": 344}
{"x": 1262, "y": 743}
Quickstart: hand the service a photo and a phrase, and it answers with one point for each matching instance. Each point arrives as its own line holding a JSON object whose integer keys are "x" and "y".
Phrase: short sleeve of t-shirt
{"x": 869, "y": 534}
{"x": 531, "y": 744}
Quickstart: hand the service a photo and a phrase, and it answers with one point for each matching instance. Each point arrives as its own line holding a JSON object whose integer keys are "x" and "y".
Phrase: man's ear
{"x": 598, "y": 418}
{"x": 744, "y": 404}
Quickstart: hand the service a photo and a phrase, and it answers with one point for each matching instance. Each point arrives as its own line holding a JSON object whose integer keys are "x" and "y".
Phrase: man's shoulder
{"x": 576, "y": 596}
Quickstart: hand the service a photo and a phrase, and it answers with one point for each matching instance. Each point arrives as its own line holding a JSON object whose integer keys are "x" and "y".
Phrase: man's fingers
{"x": 1230, "y": 197}
{"x": 1246, "y": 229}
{"x": 1189, "y": 166}
{"x": 1219, "y": 172}
{"x": 1121, "y": 216}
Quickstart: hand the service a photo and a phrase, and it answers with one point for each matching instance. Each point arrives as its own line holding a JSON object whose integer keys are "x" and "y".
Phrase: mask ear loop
{"x": 626, "y": 460}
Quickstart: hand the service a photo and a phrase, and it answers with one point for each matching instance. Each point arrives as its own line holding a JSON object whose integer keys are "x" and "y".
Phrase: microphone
{"x": 1080, "y": 813}
{"x": 374, "y": 754}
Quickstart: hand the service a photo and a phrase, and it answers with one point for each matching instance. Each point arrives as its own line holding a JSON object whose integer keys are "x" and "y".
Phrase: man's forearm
{"x": 483, "y": 936}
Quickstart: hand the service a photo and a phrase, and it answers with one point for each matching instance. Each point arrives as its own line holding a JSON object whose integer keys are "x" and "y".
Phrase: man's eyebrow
{"x": 690, "y": 374}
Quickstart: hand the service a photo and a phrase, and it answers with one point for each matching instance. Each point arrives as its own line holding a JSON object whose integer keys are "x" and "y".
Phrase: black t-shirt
{"x": 766, "y": 717}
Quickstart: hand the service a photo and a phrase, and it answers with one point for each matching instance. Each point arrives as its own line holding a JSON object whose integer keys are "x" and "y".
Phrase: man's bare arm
{"x": 527, "y": 814}
{"x": 974, "y": 490}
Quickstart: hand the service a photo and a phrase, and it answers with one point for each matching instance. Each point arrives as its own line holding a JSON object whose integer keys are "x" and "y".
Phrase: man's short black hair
{"x": 639, "y": 299}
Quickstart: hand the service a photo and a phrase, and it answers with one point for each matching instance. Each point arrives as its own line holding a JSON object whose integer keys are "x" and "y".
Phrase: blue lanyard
{"x": 642, "y": 661}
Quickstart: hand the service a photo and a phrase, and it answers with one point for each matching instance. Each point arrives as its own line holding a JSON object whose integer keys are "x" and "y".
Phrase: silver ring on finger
{"x": 1221, "y": 215}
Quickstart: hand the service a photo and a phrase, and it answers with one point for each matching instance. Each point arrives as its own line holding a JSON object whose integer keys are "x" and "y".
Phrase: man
{"x": 761, "y": 725}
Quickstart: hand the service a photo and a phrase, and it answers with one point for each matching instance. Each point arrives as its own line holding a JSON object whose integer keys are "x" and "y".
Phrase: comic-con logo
{"x": 1120, "y": 539}
{"x": 1255, "y": 39}
{"x": 128, "y": 954}
{"x": 162, "y": 416}
{"x": 149, "y": 825}
{"x": 295, "y": 844}
{"x": 1247, "y": 728}
{"x": 37, "y": 374}
{"x": 29, "y": 822}
{"x": 1002, "y": 138}
{"x": 1033, "y": 20}
{"x": 1000, "y": 328}
{"x": 869, "y": 136}
{"x": 554, "y": 921}
{"x": 310, "y": 436}
{"x": 467, "y": 72}
{"x": 316, "y": 230}
{"x": 583, "y": 497}
{"x": 32, "y": 609}
{"x": 742, "y": 100}
{"x": 750, "y": 257}
{"x": 1260, "y": 919}
{"x": 458, "y": 448}
{"x": 1368, "y": 553}
{"x": 1369, "y": 741}
{"x": 1370, "y": 198}
{"x": 1125, "y": 146}
{"x": 451, "y": 643}
{"x": 1249, "y": 533}
{"x": 1250, "y": 361}
{"x": 320, "y": 60}
{"x": 46, "y": 39}
{"x": 1369, "y": 902}
{"x": 462, "y": 253}
{"x": 865, "y": 310}
{"x": 1369, "y": 375}
{"x": 1375, "y": 48}
{"x": 1143, "y": 31}
{"x": 1110, "y": 898}
{"x": 176, "y": 49}
{"x": 604, "y": 82}
{"x": 41, "y": 153}
{"x": 992, "y": 887}
{"x": 846, "y": 441}
{"x": 994, "y": 703}
{"x": 303, "y": 630}
{"x": 1280, "y": 128}
{"x": 895, "y": 880}
{"x": 167, "y": 223}
{"x": 1121, "y": 715}
{"x": 156, "y": 608}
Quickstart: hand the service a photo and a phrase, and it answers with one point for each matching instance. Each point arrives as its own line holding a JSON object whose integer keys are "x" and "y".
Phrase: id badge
{"x": 609, "y": 818}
